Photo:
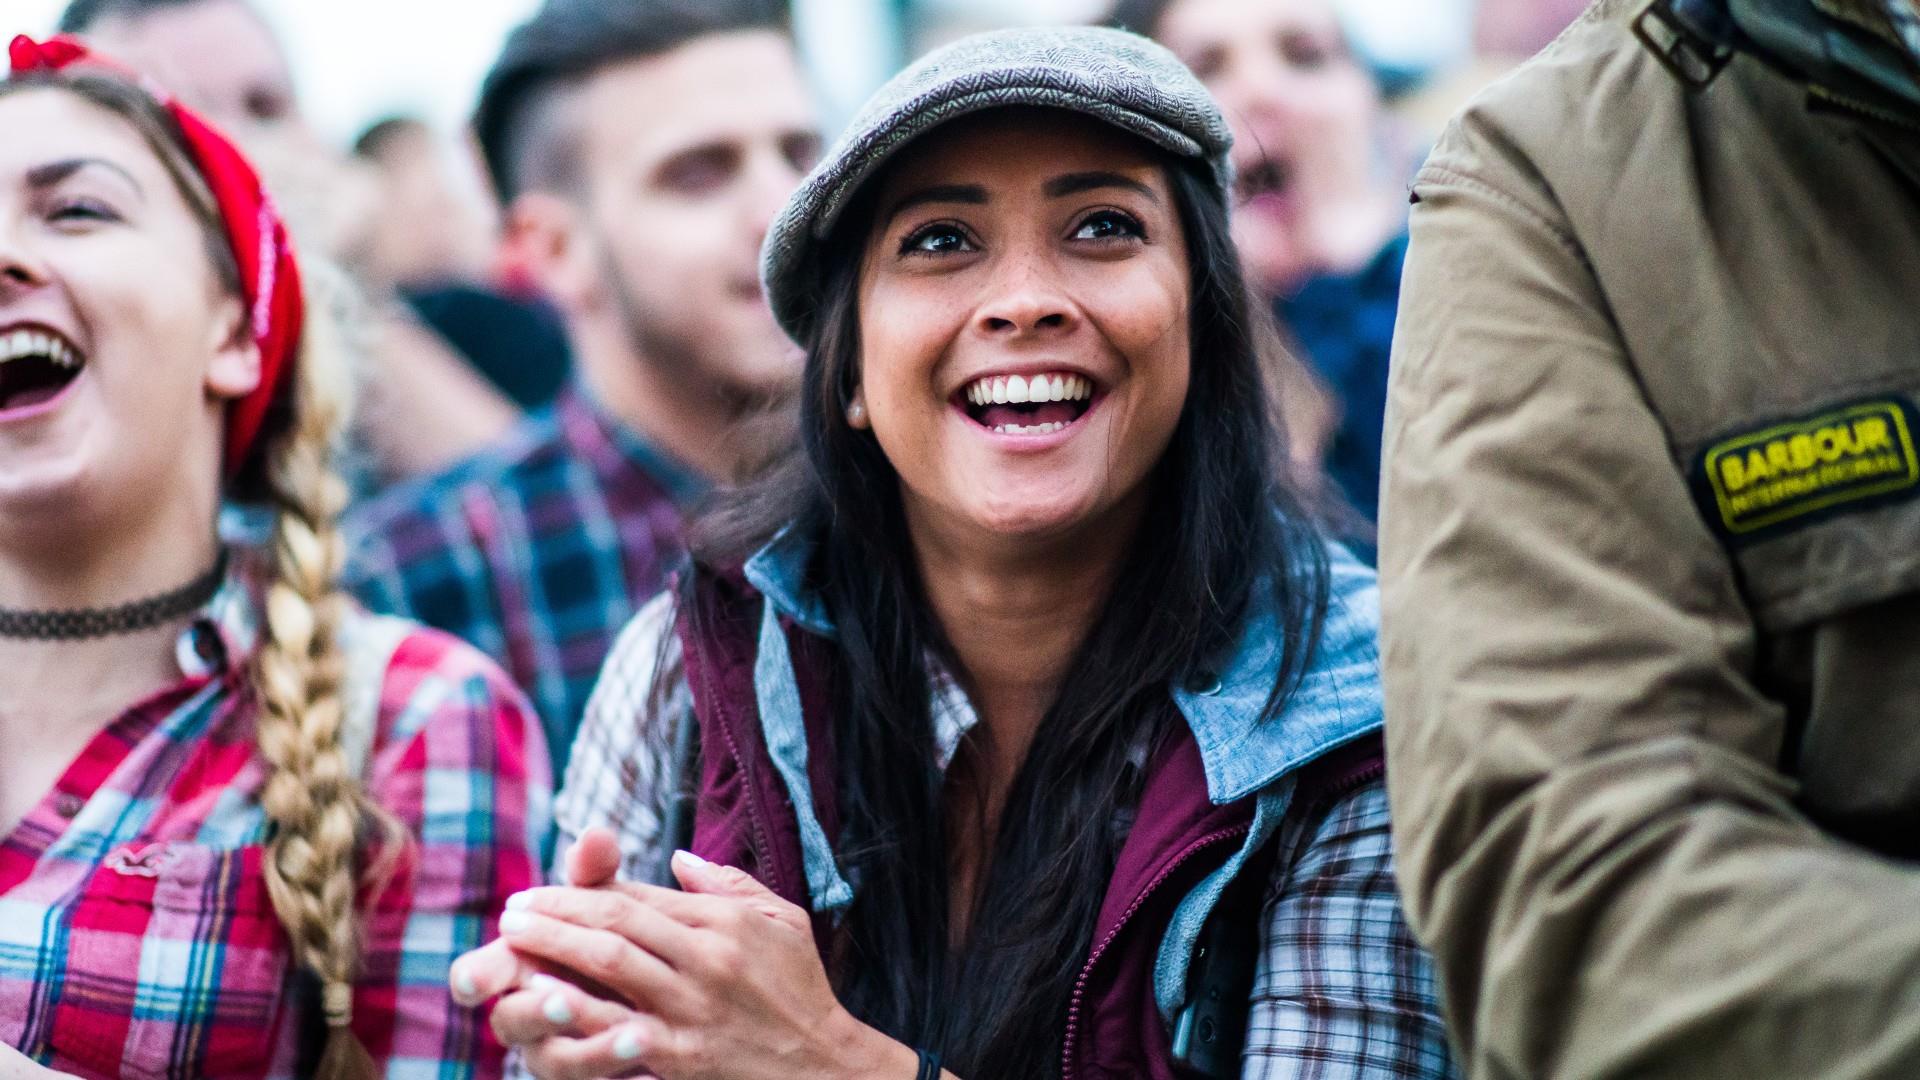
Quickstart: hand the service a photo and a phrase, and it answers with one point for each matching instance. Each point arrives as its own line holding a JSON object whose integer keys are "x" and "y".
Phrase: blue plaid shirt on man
{"x": 538, "y": 550}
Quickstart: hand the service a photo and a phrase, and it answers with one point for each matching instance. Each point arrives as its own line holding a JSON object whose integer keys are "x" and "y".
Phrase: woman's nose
{"x": 1025, "y": 300}
{"x": 19, "y": 270}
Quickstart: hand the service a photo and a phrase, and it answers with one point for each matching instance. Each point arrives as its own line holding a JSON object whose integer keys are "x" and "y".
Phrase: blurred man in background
{"x": 640, "y": 151}
{"x": 431, "y": 243}
{"x": 431, "y": 226}
{"x": 1321, "y": 216}
{"x": 217, "y": 54}
{"x": 424, "y": 406}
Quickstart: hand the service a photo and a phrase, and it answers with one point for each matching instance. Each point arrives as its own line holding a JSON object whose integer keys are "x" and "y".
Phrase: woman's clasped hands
{"x": 610, "y": 978}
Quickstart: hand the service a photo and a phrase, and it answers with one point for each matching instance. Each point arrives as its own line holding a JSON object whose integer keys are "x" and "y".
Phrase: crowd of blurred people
{"x": 445, "y": 274}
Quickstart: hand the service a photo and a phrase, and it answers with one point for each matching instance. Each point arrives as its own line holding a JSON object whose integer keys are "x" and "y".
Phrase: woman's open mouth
{"x": 36, "y": 367}
{"x": 1027, "y": 404}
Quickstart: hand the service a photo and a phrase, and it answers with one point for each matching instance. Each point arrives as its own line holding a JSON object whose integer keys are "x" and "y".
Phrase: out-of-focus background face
{"x": 250, "y": 84}
{"x": 292, "y": 76}
{"x": 355, "y": 62}
{"x": 1304, "y": 111}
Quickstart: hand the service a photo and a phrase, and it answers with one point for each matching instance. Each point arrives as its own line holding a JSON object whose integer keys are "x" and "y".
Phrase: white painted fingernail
{"x": 556, "y": 1010}
{"x": 464, "y": 985}
{"x": 519, "y": 901}
{"x": 626, "y": 1046}
{"x": 690, "y": 857}
{"x": 542, "y": 981}
{"x": 515, "y": 922}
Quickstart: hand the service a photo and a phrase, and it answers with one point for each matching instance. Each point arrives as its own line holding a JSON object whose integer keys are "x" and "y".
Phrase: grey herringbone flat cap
{"x": 1111, "y": 75}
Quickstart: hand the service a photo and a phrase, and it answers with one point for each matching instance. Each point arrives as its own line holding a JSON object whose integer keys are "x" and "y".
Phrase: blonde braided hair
{"x": 316, "y": 808}
{"x": 316, "y": 805}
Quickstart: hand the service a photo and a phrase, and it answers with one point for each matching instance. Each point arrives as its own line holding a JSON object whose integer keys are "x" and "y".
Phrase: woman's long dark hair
{"x": 1223, "y": 522}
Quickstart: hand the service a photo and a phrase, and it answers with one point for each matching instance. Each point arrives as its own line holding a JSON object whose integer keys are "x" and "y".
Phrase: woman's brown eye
{"x": 935, "y": 240}
{"x": 1109, "y": 225}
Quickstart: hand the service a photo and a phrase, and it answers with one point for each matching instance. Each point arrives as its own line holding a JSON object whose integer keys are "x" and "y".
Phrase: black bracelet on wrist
{"x": 929, "y": 1066}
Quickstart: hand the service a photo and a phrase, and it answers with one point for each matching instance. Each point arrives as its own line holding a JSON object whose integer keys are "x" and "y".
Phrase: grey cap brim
{"x": 1109, "y": 75}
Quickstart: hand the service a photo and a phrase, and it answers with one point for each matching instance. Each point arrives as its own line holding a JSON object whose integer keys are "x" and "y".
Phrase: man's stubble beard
{"x": 760, "y": 421}
{"x": 669, "y": 350}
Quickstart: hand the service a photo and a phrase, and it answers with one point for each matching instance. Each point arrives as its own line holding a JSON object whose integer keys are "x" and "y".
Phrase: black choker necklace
{"x": 80, "y": 623}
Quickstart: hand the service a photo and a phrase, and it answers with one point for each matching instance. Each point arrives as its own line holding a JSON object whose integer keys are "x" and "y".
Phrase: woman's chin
{"x": 39, "y": 488}
{"x": 49, "y": 451}
{"x": 1033, "y": 519}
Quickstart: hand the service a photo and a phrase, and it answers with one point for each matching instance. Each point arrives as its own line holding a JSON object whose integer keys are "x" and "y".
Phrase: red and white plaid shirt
{"x": 137, "y": 938}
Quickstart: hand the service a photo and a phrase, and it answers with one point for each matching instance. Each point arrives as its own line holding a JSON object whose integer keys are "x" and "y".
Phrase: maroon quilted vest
{"x": 743, "y": 818}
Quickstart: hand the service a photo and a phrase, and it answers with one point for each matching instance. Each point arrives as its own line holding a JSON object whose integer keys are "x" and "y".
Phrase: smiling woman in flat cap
{"x": 1020, "y": 706}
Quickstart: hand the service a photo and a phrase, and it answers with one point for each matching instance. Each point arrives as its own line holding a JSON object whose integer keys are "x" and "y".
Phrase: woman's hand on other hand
{"x": 563, "y": 1032}
{"x": 722, "y": 980}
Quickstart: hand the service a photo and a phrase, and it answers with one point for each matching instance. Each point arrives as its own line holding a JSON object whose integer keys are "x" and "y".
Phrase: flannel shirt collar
{"x": 1337, "y": 701}
{"x": 224, "y": 632}
{"x": 577, "y": 401}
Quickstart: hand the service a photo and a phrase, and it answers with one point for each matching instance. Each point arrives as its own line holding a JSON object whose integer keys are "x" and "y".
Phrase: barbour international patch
{"x": 1794, "y": 472}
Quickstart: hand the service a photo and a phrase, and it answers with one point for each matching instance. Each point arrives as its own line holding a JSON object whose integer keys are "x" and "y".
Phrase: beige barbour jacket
{"x": 1651, "y": 569}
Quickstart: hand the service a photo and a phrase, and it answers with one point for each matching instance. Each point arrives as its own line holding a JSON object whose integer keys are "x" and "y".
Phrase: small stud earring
{"x": 857, "y": 414}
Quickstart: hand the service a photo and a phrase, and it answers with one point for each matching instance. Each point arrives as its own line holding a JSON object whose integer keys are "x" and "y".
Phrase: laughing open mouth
{"x": 35, "y": 366}
{"x": 1027, "y": 405}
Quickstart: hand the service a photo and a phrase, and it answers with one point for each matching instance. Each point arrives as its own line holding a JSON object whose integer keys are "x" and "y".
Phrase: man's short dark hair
{"x": 524, "y": 142}
{"x": 81, "y": 16}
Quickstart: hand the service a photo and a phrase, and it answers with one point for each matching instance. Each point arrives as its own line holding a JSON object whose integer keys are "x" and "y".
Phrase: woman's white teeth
{"x": 1021, "y": 390}
{"x": 1029, "y": 429}
{"x": 23, "y": 343}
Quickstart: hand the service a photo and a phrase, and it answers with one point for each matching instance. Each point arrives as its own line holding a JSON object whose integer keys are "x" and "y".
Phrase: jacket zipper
{"x": 762, "y": 845}
{"x": 1346, "y": 786}
{"x": 1093, "y": 959}
{"x": 1354, "y": 782}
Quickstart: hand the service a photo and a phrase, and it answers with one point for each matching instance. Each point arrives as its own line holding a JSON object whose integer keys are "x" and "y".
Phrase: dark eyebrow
{"x": 1075, "y": 183}
{"x": 46, "y": 176}
{"x": 971, "y": 194}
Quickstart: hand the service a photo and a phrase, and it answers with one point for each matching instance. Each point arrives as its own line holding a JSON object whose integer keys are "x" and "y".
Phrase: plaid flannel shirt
{"x": 537, "y": 551}
{"x": 137, "y": 937}
{"x": 1341, "y": 988}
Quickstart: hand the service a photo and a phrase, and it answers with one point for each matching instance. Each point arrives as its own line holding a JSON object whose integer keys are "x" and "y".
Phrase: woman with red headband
{"x": 243, "y": 827}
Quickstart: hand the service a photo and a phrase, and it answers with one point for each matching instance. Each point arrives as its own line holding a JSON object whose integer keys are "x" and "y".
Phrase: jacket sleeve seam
{"x": 1446, "y": 175}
